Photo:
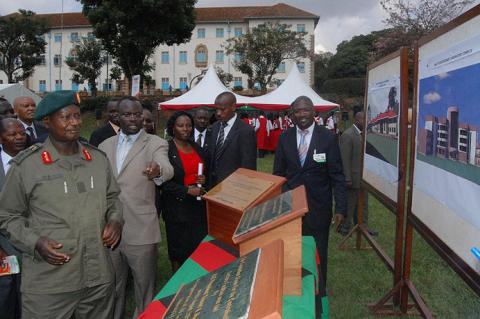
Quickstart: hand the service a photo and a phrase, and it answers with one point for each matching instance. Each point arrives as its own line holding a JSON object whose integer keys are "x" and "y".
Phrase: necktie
{"x": 122, "y": 152}
{"x": 302, "y": 147}
{"x": 221, "y": 135}
{"x": 199, "y": 139}
{"x": 31, "y": 132}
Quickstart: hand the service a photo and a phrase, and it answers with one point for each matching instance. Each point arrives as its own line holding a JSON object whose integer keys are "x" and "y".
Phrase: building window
{"x": 42, "y": 87}
{"x": 281, "y": 68}
{"x": 238, "y": 57}
{"x": 74, "y": 37}
{"x": 1, "y": 81}
{"x": 201, "y": 33}
{"x": 57, "y": 59}
{"x": 301, "y": 67}
{"x": 41, "y": 59}
{"x": 57, "y": 37}
{"x": 219, "y": 32}
{"x": 300, "y": 27}
{"x": 107, "y": 87}
{"x": 165, "y": 84}
{"x": 74, "y": 86}
{"x": 219, "y": 56}
{"x": 58, "y": 85}
{"x": 238, "y": 32}
{"x": 201, "y": 56}
{"x": 90, "y": 36}
{"x": 165, "y": 57}
{"x": 237, "y": 81}
{"x": 183, "y": 83}
{"x": 183, "y": 57}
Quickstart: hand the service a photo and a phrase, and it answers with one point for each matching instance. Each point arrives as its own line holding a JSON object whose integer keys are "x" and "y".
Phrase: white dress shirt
{"x": 6, "y": 161}
{"x": 308, "y": 137}
{"x": 123, "y": 149}
{"x": 227, "y": 129}
{"x": 197, "y": 132}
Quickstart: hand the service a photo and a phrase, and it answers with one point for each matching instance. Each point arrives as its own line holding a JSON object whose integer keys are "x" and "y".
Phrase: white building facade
{"x": 176, "y": 65}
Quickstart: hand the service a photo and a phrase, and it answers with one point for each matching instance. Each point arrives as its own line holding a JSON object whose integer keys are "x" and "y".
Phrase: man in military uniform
{"x": 60, "y": 207}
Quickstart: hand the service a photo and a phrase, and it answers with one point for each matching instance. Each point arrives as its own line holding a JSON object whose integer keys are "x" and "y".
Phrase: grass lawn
{"x": 356, "y": 278}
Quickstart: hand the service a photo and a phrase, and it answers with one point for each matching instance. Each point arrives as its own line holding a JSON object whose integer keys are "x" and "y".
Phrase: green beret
{"x": 55, "y": 101}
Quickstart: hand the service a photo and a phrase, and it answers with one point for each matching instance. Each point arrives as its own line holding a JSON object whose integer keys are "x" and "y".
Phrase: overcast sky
{"x": 339, "y": 19}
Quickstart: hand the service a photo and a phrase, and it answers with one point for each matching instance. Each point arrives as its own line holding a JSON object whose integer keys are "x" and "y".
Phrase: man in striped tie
{"x": 308, "y": 154}
{"x": 233, "y": 143}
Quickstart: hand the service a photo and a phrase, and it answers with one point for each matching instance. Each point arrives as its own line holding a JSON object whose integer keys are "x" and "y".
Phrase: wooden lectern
{"x": 227, "y": 201}
{"x": 279, "y": 218}
{"x": 250, "y": 287}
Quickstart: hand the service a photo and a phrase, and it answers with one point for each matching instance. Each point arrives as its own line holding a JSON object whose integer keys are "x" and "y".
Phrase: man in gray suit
{"x": 351, "y": 150}
{"x": 13, "y": 139}
{"x": 139, "y": 161}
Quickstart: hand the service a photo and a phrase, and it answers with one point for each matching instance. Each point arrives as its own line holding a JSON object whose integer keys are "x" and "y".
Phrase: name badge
{"x": 320, "y": 157}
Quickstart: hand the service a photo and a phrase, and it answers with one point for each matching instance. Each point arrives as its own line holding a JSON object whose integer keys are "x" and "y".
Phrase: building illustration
{"x": 445, "y": 137}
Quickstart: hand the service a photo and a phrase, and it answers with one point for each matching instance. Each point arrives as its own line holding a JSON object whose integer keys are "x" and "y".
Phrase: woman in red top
{"x": 183, "y": 209}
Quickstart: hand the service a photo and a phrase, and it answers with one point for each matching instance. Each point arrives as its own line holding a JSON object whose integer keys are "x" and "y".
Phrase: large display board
{"x": 382, "y": 126}
{"x": 445, "y": 204}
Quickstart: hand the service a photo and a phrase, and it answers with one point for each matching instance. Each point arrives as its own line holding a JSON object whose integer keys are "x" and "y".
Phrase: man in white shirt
{"x": 24, "y": 107}
{"x": 201, "y": 132}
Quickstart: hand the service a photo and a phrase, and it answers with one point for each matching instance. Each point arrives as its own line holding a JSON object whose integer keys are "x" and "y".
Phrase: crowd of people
{"x": 81, "y": 215}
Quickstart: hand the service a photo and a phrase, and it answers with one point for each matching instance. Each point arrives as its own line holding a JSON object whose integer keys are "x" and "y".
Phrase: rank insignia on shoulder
{"x": 87, "y": 155}
{"x": 46, "y": 158}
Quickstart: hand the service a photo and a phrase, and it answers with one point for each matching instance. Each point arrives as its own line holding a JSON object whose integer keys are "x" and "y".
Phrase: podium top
{"x": 243, "y": 188}
{"x": 249, "y": 287}
{"x": 277, "y": 211}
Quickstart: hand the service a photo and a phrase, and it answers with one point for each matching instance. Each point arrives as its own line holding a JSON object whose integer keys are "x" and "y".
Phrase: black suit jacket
{"x": 238, "y": 150}
{"x": 41, "y": 131}
{"x": 101, "y": 134}
{"x": 177, "y": 205}
{"x": 320, "y": 179}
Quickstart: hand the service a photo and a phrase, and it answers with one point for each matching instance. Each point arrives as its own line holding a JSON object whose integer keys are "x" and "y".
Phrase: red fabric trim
{"x": 154, "y": 310}
{"x": 265, "y": 107}
{"x": 211, "y": 257}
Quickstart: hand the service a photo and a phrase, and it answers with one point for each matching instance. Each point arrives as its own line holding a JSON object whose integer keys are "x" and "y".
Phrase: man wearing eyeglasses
{"x": 139, "y": 162}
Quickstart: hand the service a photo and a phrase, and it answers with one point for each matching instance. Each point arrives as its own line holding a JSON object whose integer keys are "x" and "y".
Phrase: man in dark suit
{"x": 24, "y": 107}
{"x": 108, "y": 130}
{"x": 13, "y": 139}
{"x": 308, "y": 154}
{"x": 351, "y": 149}
{"x": 233, "y": 143}
{"x": 201, "y": 133}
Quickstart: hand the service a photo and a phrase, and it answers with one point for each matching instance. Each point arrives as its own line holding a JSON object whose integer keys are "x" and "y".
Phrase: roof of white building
{"x": 203, "y": 15}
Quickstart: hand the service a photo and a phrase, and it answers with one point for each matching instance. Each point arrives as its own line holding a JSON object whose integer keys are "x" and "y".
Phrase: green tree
{"x": 410, "y": 20}
{"x": 116, "y": 75}
{"x": 321, "y": 61}
{"x": 131, "y": 30}
{"x": 353, "y": 56}
{"x": 261, "y": 50}
{"x": 86, "y": 61}
{"x": 21, "y": 44}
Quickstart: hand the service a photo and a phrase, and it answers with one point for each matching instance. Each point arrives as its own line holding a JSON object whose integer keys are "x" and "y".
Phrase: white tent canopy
{"x": 203, "y": 94}
{"x": 293, "y": 87}
{"x": 14, "y": 90}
